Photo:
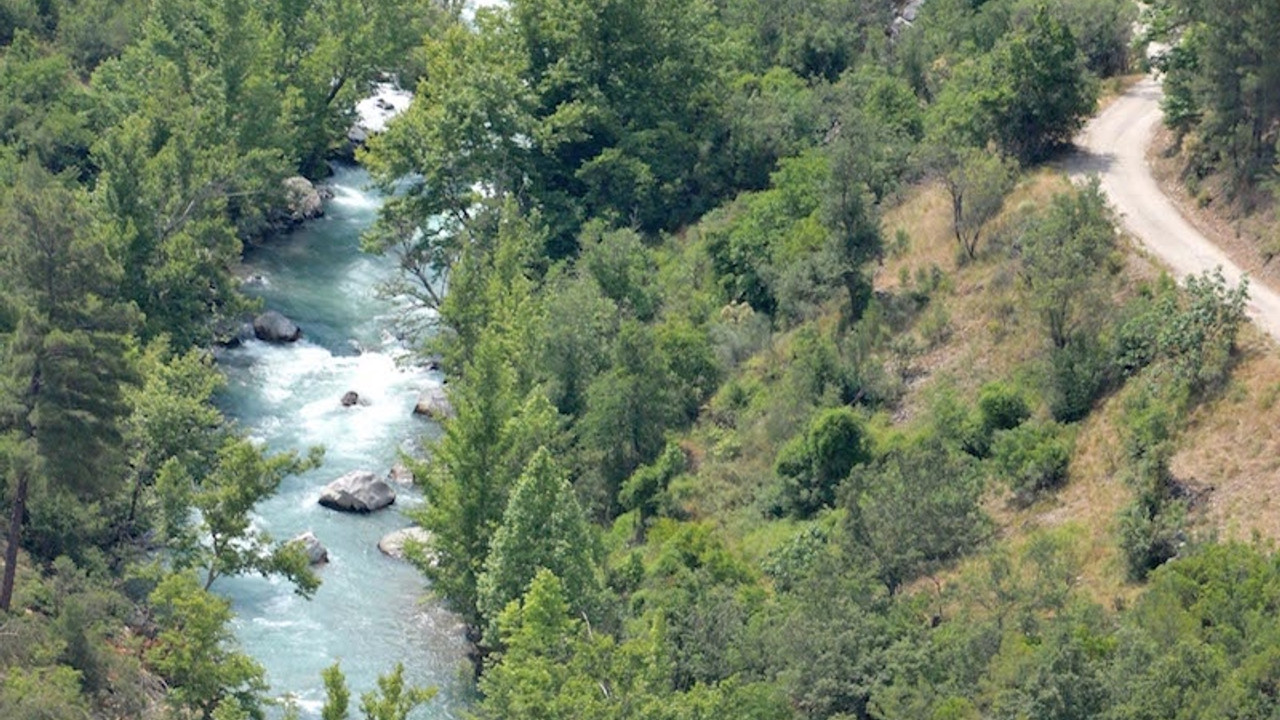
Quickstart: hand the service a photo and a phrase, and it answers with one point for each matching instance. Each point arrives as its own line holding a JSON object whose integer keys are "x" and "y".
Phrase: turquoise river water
{"x": 370, "y": 612}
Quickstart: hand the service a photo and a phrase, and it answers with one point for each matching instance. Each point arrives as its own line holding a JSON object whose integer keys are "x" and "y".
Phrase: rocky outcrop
{"x": 302, "y": 199}
{"x": 434, "y": 403}
{"x": 316, "y": 552}
{"x": 393, "y": 544}
{"x": 358, "y": 491}
{"x": 271, "y": 326}
{"x": 400, "y": 475}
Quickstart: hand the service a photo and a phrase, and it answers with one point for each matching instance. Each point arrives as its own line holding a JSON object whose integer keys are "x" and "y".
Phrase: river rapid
{"x": 369, "y": 612}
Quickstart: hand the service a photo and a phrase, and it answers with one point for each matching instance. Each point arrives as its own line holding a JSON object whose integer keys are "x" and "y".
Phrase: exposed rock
{"x": 400, "y": 475}
{"x": 302, "y": 199}
{"x": 316, "y": 552}
{"x": 358, "y": 491}
{"x": 271, "y": 326}
{"x": 393, "y": 544}
{"x": 434, "y": 403}
{"x": 349, "y": 398}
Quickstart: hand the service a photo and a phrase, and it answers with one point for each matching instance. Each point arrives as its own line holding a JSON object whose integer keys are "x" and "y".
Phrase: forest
{"x": 781, "y": 354}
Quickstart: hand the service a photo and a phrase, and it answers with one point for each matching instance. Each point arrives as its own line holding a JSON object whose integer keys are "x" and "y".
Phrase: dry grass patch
{"x": 1231, "y": 447}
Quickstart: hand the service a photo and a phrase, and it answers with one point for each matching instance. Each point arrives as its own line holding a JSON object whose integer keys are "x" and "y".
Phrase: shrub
{"x": 1032, "y": 458}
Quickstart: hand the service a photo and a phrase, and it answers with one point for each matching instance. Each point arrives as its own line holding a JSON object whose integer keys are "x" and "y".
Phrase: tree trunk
{"x": 15, "y": 538}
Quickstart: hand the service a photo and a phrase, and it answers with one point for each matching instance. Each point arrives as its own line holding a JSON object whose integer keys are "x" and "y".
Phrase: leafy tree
{"x": 460, "y": 135}
{"x": 473, "y": 467}
{"x": 42, "y": 107}
{"x": 646, "y": 490}
{"x": 1046, "y": 92}
{"x": 221, "y": 540}
{"x": 173, "y": 418}
{"x": 914, "y": 508}
{"x": 337, "y": 696}
{"x": 65, "y": 359}
{"x": 555, "y": 665}
{"x": 977, "y": 183}
{"x": 392, "y": 700}
{"x": 1062, "y": 253}
{"x": 814, "y": 464}
{"x": 1029, "y": 94}
{"x": 543, "y": 528}
{"x": 629, "y": 409}
{"x": 194, "y": 651}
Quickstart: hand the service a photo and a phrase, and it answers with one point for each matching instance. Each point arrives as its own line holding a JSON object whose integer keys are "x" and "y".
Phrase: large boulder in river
{"x": 393, "y": 544}
{"x": 358, "y": 491}
{"x": 316, "y": 552}
{"x": 434, "y": 403}
{"x": 349, "y": 398}
{"x": 302, "y": 199}
{"x": 271, "y": 326}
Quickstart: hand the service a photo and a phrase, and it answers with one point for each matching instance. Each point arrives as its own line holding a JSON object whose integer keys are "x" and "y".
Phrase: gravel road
{"x": 1113, "y": 146}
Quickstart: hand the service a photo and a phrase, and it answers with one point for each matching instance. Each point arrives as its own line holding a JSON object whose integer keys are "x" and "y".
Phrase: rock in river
{"x": 393, "y": 544}
{"x": 434, "y": 403}
{"x": 358, "y": 491}
{"x": 316, "y": 552}
{"x": 303, "y": 199}
{"x": 271, "y": 326}
{"x": 349, "y": 398}
{"x": 400, "y": 475}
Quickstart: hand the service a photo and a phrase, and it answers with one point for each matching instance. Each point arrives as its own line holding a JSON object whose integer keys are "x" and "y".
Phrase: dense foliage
{"x": 692, "y": 472}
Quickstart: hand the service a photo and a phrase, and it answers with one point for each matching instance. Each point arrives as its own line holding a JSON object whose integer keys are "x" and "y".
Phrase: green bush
{"x": 812, "y": 466}
{"x": 1032, "y": 458}
{"x": 1078, "y": 375}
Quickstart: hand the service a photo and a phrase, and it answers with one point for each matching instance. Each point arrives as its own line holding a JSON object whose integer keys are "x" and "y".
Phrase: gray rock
{"x": 302, "y": 199}
{"x": 393, "y": 544}
{"x": 271, "y": 326}
{"x": 316, "y": 552}
{"x": 358, "y": 491}
{"x": 349, "y": 398}
{"x": 400, "y": 475}
{"x": 434, "y": 403}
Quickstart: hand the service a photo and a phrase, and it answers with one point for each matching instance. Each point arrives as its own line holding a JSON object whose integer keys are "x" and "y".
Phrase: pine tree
{"x": 543, "y": 528}
{"x": 66, "y": 361}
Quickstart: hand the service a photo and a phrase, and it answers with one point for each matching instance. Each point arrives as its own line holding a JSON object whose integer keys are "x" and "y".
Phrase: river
{"x": 369, "y": 612}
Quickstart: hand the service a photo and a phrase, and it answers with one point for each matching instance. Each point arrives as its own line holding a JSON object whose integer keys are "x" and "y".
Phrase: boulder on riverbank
{"x": 358, "y": 491}
{"x": 315, "y": 551}
{"x": 434, "y": 403}
{"x": 393, "y": 544}
{"x": 271, "y": 326}
{"x": 302, "y": 199}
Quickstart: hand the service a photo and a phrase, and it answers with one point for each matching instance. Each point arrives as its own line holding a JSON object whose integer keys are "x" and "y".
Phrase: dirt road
{"x": 1114, "y": 146}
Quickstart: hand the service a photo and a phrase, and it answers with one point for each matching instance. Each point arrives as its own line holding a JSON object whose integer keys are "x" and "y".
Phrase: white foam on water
{"x": 387, "y": 101}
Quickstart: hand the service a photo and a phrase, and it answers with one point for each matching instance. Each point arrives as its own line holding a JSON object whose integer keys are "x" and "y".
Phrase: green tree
{"x": 629, "y": 409}
{"x": 914, "y": 509}
{"x": 1065, "y": 255}
{"x": 814, "y": 464}
{"x": 194, "y": 651}
{"x": 543, "y": 528}
{"x": 391, "y": 701}
{"x": 221, "y": 540}
{"x": 473, "y": 467}
{"x": 977, "y": 182}
{"x": 1222, "y": 82}
{"x": 65, "y": 359}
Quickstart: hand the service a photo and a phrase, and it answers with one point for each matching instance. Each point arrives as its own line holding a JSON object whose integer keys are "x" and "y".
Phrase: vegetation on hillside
{"x": 736, "y": 433}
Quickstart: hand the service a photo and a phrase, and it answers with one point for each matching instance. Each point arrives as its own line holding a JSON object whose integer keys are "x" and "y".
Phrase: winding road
{"x": 1113, "y": 146}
